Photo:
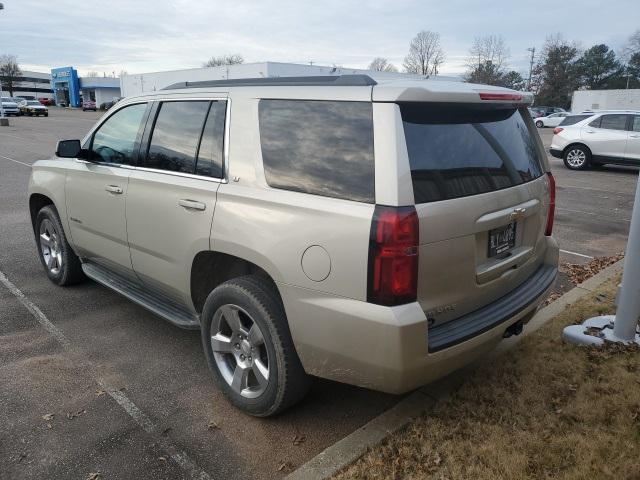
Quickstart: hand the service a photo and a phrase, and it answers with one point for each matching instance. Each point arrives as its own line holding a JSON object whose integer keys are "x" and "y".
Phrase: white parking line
{"x": 605, "y": 218}
{"x": 179, "y": 457}
{"x": 576, "y": 254}
{"x": 17, "y": 161}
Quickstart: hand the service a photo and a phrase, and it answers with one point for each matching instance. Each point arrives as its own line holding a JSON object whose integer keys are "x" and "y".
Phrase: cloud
{"x": 146, "y": 35}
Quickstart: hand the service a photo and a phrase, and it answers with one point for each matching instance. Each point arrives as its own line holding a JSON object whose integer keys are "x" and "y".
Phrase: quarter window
{"x": 614, "y": 122}
{"x": 175, "y": 137}
{"x": 319, "y": 147}
{"x": 115, "y": 139}
{"x": 636, "y": 124}
{"x": 211, "y": 149}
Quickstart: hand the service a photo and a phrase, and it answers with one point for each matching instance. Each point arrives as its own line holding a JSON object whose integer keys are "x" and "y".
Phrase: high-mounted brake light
{"x": 557, "y": 130}
{"x": 552, "y": 204}
{"x": 393, "y": 256}
{"x": 515, "y": 97}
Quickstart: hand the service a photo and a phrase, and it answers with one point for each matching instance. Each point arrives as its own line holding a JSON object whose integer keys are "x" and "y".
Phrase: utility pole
{"x": 4, "y": 121}
{"x": 533, "y": 56}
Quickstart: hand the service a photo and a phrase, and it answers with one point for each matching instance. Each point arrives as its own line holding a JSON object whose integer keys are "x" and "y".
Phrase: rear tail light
{"x": 552, "y": 204}
{"x": 557, "y": 130}
{"x": 393, "y": 256}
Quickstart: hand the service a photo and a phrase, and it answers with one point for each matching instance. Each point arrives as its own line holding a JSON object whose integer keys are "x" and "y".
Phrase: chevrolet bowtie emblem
{"x": 517, "y": 213}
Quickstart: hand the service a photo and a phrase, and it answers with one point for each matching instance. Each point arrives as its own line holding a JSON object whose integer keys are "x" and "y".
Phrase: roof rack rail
{"x": 324, "y": 80}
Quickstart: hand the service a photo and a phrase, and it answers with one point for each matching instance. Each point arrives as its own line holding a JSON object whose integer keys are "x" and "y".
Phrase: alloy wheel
{"x": 576, "y": 158}
{"x": 239, "y": 351}
{"x": 50, "y": 246}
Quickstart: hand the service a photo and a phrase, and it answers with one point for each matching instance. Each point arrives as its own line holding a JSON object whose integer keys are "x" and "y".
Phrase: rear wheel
{"x": 539, "y": 124}
{"x": 58, "y": 258}
{"x": 577, "y": 157}
{"x": 249, "y": 348}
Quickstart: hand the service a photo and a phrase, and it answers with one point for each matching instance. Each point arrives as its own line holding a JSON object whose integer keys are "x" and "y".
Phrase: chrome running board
{"x": 161, "y": 306}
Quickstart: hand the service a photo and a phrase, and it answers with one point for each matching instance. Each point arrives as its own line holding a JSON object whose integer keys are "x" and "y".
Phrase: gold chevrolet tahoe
{"x": 380, "y": 234}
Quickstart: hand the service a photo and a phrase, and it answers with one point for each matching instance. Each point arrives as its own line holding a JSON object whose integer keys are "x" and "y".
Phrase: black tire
{"x": 287, "y": 383}
{"x": 572, "y": 156}
{"x": 539, "y": 124}
{"x": 70, "y": 271}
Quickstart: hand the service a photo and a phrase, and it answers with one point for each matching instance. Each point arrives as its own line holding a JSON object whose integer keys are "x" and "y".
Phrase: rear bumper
{"x": 388, "y": 348}
{"x": 555, "y": 152}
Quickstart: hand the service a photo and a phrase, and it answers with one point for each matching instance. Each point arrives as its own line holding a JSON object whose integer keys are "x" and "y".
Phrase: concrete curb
{"x": 350, "y": 448}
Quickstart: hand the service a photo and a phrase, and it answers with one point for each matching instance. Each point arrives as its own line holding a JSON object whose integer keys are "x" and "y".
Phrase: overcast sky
{"x": 144, "y": 35}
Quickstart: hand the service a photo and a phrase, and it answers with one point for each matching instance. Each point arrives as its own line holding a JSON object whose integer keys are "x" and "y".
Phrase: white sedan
{"x": 552, "y": 120}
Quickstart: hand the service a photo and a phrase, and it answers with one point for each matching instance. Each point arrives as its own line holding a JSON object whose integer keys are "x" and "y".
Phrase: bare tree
{"x": 227, "y": 59}
{"x": 487, "y": 60}
{"x": 380, "y": 64}
{"x": 631, "y": 48}
{"x": 425, "y": 54}
{"x": 488, "y": 49}
{"x": 9, "y": 72}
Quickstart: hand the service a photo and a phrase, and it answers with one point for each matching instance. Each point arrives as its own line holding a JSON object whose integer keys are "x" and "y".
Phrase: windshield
{"x": 32, "y": 102}
{"x": 461, "y": 150}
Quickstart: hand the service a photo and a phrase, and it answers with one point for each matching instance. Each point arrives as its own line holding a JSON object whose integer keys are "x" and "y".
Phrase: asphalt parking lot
{"x": 110, "y": 388}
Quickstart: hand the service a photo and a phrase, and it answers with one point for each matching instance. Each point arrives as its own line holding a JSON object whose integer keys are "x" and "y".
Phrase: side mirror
{"x": 68, "y": 148}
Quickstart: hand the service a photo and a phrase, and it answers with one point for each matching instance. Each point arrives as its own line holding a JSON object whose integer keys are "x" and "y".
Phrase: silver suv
{"x": 378, "y": 234}
{"x": 596, "y": 138}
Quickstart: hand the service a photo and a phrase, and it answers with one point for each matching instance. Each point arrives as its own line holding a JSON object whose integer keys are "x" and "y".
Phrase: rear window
{"x": 461, "y": 150}
{"x": 573, "y": 119}
{"x": 319, "y": 147}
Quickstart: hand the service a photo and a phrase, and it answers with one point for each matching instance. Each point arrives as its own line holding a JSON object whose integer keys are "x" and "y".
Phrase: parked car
{"x": 10, "y": 107}
{"x": 546, "y": 111}
{"x": 33, "y": 108}
{"x": 108, "y": 105}
{"x": 358, "y": 234}
{"x": 88, "y": 105}
{"x": 591, "y": 139}
{"x": 552, "y": 120}
{"x": 47, "y": 102}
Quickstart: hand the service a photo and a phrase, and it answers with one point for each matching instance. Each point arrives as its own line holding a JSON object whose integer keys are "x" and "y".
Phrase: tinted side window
{"x": 636, "y": 124}
{"x": 595, "y": 123}
{"x": 115, "y": 139}
{"x": 572, "y": 119}
{"x": 175, "y": 137}
{"x": 614, "y": 122}
{"x": 210, "y": 154}
{"x": 319, "y": 147}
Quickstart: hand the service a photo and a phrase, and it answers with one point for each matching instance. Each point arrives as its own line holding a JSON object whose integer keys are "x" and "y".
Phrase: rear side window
{"x": 635, "y": 127}
{"x": 319, "y": 147}
{"x": 613, "y": 122}
{"x": 176, "y": 133}
{"x": 461, "y": 150}
{"x": 573, "y": 119}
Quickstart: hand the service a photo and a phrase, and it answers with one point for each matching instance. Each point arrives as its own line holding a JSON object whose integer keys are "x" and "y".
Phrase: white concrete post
{"x": 623, "y": 326}
{"x": 628, "y": 311}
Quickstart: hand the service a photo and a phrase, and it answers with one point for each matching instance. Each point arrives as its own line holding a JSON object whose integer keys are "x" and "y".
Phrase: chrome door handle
{"x": 191, "y": 204}
{"x": 113, "y": 189}
{"x": 634, "y": 136}
{"x": 590, "y": 131}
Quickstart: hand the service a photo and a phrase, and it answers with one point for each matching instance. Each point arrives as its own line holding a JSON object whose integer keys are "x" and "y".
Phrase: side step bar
{"x": 163, "y": 307}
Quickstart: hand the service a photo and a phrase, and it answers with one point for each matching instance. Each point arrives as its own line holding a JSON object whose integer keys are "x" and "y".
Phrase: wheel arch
{"x": 211, "y": 268}
{"x": 37, "y": 201}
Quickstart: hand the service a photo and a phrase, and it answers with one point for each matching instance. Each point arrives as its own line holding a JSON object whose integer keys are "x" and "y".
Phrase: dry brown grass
{"x": 545, "y": 409}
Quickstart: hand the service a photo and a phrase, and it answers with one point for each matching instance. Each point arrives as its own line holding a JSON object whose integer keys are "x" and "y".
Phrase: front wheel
{"x": 577, "y": 157}
{"x": 249, "y": 349}
{"x": 539, "y": 124}
{"x": 58, "y": 258}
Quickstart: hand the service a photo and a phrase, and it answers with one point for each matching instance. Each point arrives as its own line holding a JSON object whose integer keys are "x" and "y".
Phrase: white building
{"x": 628, "y": 99}
{"x": 32, "y": 84}
{"x": 150, "y": 82}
